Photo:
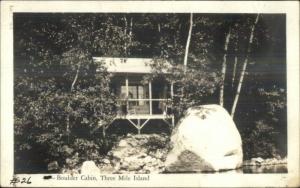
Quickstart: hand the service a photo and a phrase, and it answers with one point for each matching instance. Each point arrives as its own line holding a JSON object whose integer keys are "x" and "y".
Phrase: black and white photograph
{"x": 123, "y": 96}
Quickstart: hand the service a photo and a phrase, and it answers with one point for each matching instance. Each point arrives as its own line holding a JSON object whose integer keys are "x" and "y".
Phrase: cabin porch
{"x": 140, "y": 103}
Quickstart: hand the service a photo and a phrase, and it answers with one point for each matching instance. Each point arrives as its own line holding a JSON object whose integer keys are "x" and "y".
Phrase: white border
{"x": 290, "y": 8}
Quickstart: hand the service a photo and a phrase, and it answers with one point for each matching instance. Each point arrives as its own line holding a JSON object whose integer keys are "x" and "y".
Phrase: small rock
{"x": 148, "y": 168}
{"x": 89, "y": 167}
{"x": 131, "y": 159}
{"x": 106, "y": 161}
{"x": 124, "y": 165}
{"x": 147, "y": 159}
{"x": 123, "y": 143}
{"x": 70, "y": 171}
{"x": 278, "y": 157}
{"x": 284, "y": 160}
{"x": 118, "y": 154}
{"x": 107, "y": 169}
{"x": 68, "y": 161}
{"x": 116, "y": 166}
{"x": 142, "y": 155}
{"x": 258, "y": 160}
{"x": 53, "y": 166}
{"x": 135, "y": 168}
{"x": 159, "y": 154}
{"x": 110, "y": 153}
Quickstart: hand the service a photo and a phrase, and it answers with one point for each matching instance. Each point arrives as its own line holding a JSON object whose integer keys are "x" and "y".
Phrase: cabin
{"x": 139, "y": 102}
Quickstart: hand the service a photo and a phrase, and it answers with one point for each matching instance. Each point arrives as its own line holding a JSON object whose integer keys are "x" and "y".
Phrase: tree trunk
{"x": 224, "y": 64}
{"x": 125, "y": 35}
{"x": 69, "y": 103}
{"x": 188, "y": 43}
{"x": 244, "y": 67}
{"x": 130, "y": 31}
{"x": 159, "y": 31}
{"x": 235, "y": 64}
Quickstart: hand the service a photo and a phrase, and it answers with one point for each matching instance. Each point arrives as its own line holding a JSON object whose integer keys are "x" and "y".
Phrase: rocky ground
{"x": 270, "y": 165}
{"x": 143, "y": 153}
{"x": 146, "y": 153}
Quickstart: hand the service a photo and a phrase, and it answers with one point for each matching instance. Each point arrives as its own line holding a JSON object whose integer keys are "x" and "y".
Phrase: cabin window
{"x": 138, "y": 99}
{"x": 136, "y": 91}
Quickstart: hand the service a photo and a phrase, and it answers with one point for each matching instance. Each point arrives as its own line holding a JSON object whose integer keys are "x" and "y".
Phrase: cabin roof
{"x": 127, "y": 65}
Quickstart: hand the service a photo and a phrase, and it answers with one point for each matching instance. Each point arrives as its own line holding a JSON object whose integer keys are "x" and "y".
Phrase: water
{"x": 278, "y": 168}
{"x": 263, "y": 169}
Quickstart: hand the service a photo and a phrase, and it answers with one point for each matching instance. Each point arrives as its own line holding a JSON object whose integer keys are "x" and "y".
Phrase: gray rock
{"x": 148, "y": 159}
{"x": 53, "y": 166}
{"x": 106, "y": 161}
{"x": 258, "y": 160}
{"x": 118, "y": 154}
{"x": 123, "y": 143}
{"x": 68, "y": 161}
{"x": 70, "y": 171}
{"x": 107, "y": 169}
{"x": 89, "y": 167}
{"x": 142, "y": 155}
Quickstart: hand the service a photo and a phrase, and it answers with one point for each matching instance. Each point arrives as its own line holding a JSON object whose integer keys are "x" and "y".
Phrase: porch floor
{"x": 144, "y": 116}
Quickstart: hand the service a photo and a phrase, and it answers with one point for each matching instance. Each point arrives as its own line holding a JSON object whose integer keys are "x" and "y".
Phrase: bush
{"x": 55, "y": 117}
{"x": 264, "y": 128}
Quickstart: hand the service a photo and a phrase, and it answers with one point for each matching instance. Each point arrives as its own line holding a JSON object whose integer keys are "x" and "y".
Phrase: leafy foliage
{"x": 60, "y": 94}
{"x": 190, "y": 88}
{"x": 267, "y": 136}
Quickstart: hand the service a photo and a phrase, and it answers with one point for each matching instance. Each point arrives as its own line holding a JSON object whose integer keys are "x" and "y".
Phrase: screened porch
{"x": 138, "y": 99}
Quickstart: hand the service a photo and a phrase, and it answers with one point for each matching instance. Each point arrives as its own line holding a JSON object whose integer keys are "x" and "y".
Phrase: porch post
{"x": 172, "y": 90}
{"x": 127, "y": 89}
{"x": 139, "y": 126}
{"x": 173, "y": 121}
{"x": 150, "y": 97}
{"x": 127, "y": 93}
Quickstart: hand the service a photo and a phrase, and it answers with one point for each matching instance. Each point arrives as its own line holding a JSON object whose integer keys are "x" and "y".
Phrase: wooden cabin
{"x": 139, "y": 102}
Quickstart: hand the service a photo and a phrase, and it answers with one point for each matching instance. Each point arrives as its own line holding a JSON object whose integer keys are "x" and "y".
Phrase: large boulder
{"x": 206, "y": 139}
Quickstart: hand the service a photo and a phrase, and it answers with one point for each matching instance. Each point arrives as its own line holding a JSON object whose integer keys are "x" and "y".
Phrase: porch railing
{"x": 144, "y": 106}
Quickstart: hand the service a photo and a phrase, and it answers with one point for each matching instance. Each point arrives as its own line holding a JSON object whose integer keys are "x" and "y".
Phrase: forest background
{"x": 236, "y": 60}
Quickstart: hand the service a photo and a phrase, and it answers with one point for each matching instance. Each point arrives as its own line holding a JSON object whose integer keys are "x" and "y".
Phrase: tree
{"x": 244, "y": 66}
{"x": 235, "y": 62}
{"x": 188, "y": 43}
{"x": 224, "y": 67}
{"x": 57, "y": 78}
{"x": 193, "y": 81}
